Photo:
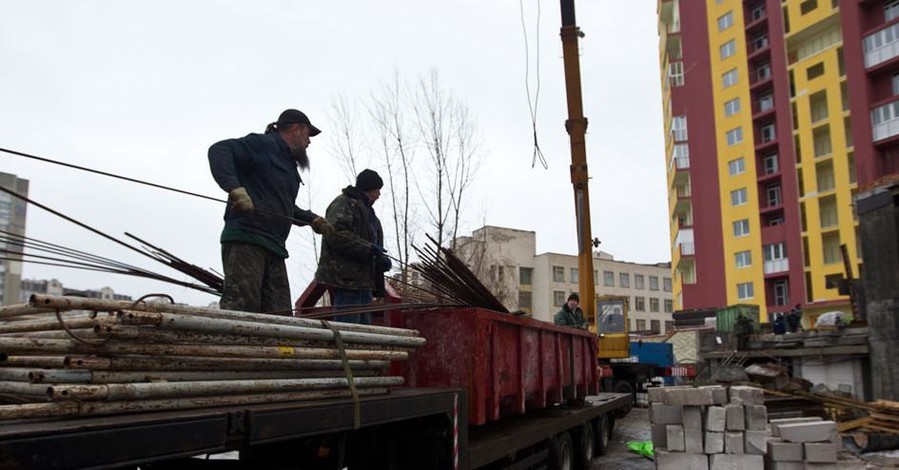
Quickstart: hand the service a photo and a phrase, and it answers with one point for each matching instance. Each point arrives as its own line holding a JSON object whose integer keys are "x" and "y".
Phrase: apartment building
{"x": 505, "y": 259}
{"x": 767, "y": 144}
{"x": 12, "y": 220}
{"x": 54, "y": 287}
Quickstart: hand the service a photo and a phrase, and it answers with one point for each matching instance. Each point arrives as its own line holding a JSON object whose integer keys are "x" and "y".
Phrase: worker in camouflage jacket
{"x": 571, "y": 314}
{"x": 353, "y": 260}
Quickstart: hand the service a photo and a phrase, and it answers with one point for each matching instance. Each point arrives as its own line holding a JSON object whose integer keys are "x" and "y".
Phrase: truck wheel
{"x": 623, "y": 386}
{"x": 586, "y": 444}
{"x": 601, "y": 433}
{"x": 561, "y": 453}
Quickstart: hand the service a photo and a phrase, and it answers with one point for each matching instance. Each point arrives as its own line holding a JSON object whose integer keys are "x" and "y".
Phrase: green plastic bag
{"x": 643, "y": 448}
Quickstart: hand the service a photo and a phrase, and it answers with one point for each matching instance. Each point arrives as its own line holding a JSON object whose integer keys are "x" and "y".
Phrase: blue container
{"x": 660, "y": 354}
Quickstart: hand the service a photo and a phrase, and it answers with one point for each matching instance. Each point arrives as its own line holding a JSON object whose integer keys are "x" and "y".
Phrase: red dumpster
{"x": 508, "y": 364}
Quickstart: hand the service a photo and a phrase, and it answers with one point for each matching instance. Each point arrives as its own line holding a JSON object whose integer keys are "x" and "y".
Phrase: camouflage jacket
{"x": 348, "y": 258}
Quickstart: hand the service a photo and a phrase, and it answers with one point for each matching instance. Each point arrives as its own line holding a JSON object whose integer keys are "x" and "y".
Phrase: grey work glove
{"x": 240, "y": 201}
{"x": 321, "y": 226}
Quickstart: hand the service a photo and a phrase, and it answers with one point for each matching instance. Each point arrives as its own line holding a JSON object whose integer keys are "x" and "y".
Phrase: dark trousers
{"x": 352, "y": 298}
{"x": 255, "y": 280}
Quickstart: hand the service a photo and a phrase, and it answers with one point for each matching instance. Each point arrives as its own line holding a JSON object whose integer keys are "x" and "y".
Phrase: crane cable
{"x": 532, "y": 106}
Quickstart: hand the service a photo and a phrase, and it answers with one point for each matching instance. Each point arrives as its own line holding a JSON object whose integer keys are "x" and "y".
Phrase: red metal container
{"x": 509, "y": 365}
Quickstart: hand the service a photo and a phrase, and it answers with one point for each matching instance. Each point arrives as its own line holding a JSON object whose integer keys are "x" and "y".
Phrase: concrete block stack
{"x": 708, "y": 427}
{"x": 803, "y": 444}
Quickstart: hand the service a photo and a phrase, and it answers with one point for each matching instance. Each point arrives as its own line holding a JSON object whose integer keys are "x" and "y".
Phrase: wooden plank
{"x": 875, "y": 427}
{"x": 855, "y": 423}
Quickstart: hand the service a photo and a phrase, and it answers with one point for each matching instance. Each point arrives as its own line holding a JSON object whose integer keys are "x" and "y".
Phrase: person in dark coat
{"x": 779, "y": 325}
{"x": 260, "y": 174}
{"x": 571, "y": 314}
{"x": 794, "y": 319}
{"x": 353, "y": 260}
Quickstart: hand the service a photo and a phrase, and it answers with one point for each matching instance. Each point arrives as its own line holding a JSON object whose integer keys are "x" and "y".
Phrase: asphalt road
{"x": 633, "y": 427}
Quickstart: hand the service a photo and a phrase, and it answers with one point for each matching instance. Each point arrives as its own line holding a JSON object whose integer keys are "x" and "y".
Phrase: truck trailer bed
{"x": 120, "y": 441}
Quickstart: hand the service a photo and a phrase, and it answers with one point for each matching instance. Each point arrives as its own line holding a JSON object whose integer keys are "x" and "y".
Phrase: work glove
{"x": 321, "y": 226}
{"x": 240, "y": 201}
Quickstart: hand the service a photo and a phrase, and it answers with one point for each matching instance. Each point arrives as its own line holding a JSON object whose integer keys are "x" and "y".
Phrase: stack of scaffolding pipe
{"x": 96, "y": 357}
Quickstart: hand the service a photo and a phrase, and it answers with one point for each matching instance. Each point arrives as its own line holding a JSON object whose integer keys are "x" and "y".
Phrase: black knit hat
{"x": 293, "y": 116}
{"x": 574, "y": 296}
{"x": 369, "y": 180}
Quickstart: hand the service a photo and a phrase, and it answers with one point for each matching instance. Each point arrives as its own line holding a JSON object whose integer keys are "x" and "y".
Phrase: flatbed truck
{"x": 407, "y": 429}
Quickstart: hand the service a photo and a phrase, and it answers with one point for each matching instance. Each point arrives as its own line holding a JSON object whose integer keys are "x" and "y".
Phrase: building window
{"x": 815, "y": 71}
{"x": 763, "y": 72}
{"x": 638, "y": 281}
{"x": 595, "y": 277}
{"x": 781, "y": 293}
{"x": 679, "y": 127}
{"x": 743, "y": 259}
{"x": 558, "y": 274}
{"x": 524, "y": 299}
{"x": 558, "y": 298}
{"x": 759, "y": 42}
{"x": 766, "y": 102}
{"x": 653, "y": 283}
{"x": 831, "y": 246}
{"x": 890, "y": 11}
{"x": 653, "y": 304}
{"x": 770, "y": 164}
{"x": 741, "y": 228}
{"x": 773, "y": 193}
{"x": 735, "y": 136}
{"x": 669, "y": 307}
{"x": 655, "y": 326}
{"x": 745, "y": 291}
{"x": 821, "y": 137}
{"x": 738, "y": 197}
{"x": 608, "y": 278}
{"x": 666, "y": 284}
{"x": 728, "y": 49}
{"x": 640, "y": 304}
{"x": 669, "y": 326}
{"x": 676, "y": 74}
{"x": 729, "y": 78}
{"x": 725, "y": 21}
{"x": 736, "y": 167}
{"x": 574, "y": 275}
{"x": 768, "y": 134}
{"x": 757, "y": 13}
{"x": 732, "y": 107}
{"x": 808, "y": 6}
{"x": 624, "y": 280}
{"x": 525, "y": 275}
{"x": 641, "y": 325}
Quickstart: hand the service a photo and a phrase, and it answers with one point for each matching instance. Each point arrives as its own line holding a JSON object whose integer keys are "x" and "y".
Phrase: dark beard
{"x": 300, "y": 156}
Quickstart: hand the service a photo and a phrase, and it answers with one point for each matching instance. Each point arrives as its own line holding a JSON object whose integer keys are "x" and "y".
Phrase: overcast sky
{"x": 143, "y": 88}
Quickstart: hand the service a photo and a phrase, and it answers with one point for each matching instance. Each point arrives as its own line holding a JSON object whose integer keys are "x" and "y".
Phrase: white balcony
{"x": 777, "y": 265}
{"x": 885, "y": 130}
{"x": 881, "y": 46}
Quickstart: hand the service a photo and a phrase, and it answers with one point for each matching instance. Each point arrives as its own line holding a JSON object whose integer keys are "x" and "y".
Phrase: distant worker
{"x": 259, "y": 173}
{"x": 794, "y": 319}
{"x": 742, "y": 331}
{"x": 353, "y": 260}
{"x": 571, "y": 314}
{"x": 779, "y": 325}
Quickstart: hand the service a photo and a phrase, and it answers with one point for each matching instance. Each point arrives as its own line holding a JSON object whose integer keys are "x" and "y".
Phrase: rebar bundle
{"x": 449, "y": 276}
{"x": 71, "y": 356}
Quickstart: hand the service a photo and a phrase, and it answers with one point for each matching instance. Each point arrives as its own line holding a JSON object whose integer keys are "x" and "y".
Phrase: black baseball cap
{"x": 293, "y": 116}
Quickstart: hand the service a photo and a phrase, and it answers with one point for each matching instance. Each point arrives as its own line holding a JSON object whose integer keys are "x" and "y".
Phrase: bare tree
{"x": 388, "y": 114}
{"x": 446, "y": 131}
{"x": 348, "y": 137}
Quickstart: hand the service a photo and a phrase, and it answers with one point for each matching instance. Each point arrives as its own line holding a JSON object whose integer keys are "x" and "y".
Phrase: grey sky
{"x": 143, "y": 88}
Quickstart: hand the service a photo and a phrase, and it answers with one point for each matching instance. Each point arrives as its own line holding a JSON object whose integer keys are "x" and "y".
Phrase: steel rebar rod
{"x": 152, "y": 390}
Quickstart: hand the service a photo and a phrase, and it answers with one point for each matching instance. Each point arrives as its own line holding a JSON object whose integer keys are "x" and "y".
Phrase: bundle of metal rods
{"x": 71, "y": 356}
{"x": 449, "y": 276}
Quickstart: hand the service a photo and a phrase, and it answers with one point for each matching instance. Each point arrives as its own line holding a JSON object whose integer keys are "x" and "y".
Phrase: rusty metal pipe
{"x": 32, "y": 361}
{"x": 46, "y": 325}
{"x": 173, "y": 321}
{"x": 214, "y": 363}
{"x": 9, "y": 312}
{"x": 152, "y": 390}
{"x": 78, "y": 303}
{"x": 154, "y": 335}
{"x": 87, "y": 376}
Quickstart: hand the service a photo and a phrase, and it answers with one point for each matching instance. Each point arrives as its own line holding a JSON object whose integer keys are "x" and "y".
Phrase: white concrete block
{"x": 665, "y": 414}
{"x": 745, "y": 395}
{"x": 736, "y": 417}
{"x": 736, "y": 462}
{"x": 756, "y": 417}
{"x": 713, "y": 442}
{"x": 675, "y": 437}
{"x": 807, "y": 432}
{"x": 754, "y": 442}
{"x": 781, "y": 451}
{"x": 693, "y": 441}
{"x": 776, "y": 423}
{"x": 820, "y": 452}
{"x": 733, "y": 442}
{"x": 714, "y": 418}
{"x": 692, "y": 417}
{"x": 666, "y": 460}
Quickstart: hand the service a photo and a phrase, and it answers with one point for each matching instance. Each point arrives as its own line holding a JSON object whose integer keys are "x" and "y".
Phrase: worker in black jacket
{"x": 260, "y": 174}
